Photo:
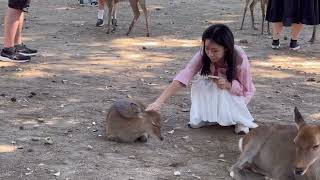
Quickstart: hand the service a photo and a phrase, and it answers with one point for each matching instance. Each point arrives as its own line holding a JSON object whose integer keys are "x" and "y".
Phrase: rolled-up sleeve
{"x": 192, "y": 68}
{"x": 242, "y": 85}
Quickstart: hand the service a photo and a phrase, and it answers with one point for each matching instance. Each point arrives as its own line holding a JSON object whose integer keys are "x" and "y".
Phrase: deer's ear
{"x": 298, "y": 118}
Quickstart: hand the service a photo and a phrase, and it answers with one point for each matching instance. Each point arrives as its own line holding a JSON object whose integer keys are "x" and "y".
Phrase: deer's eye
{"x": 315, "y": 147}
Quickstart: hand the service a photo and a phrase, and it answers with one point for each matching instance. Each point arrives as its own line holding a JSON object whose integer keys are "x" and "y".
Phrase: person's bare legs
{"x": 295, "y": 33}
{"x": 277, "y": 28}
{"x": 11, "y": 27}
{"x": 18, "y": 37}
{"x": 101, "y": 5}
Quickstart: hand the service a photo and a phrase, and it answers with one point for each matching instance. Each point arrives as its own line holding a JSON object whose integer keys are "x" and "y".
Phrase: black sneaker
{"x": 94, "y": 3}
{"x": 99, "y": 23}
{"x": 294, "y": 45}
{"x": 10, "y": 55}
{"x": 81, "y": 2}
{"x": 22, "y": 49}
{"x": 275, "y": 44}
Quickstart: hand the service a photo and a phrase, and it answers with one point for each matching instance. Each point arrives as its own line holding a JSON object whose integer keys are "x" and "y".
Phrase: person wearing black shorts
{"x": 294, "y": 13}
{"x": 14, "y": 50}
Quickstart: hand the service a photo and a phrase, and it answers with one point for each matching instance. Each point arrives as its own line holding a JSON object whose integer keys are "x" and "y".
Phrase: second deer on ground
{"x": 280, "y": 152}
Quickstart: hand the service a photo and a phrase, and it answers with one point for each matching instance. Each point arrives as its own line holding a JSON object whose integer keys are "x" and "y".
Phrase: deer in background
{"x": 111, "y": 4}
{"x": 280, "y": 152}
{"x": 252, "y": 4}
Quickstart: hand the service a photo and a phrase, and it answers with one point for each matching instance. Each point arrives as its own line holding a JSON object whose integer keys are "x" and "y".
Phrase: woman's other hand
{"x": 223, "y": 83}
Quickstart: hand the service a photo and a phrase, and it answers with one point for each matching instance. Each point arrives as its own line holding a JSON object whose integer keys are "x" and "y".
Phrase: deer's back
{"x": 277, "y": 151}
{"x": 125, "y": 130}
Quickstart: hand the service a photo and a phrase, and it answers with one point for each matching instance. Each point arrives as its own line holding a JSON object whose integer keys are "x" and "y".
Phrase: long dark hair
{"x": 222, "y": 35}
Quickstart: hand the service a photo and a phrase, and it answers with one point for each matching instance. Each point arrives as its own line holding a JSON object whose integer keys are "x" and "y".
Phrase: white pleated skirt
{"x": 209, "y": 104}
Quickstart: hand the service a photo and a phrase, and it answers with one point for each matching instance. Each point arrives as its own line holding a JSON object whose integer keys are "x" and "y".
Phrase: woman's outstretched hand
{"x": 155, "y": 106}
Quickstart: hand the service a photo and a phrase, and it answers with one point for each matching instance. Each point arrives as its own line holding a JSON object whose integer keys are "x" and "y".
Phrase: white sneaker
{"x": 194, "y": 126}
{"x": 241, "y": 128}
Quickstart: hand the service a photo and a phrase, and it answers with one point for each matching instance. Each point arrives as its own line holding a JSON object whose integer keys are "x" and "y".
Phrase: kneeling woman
{"x": 221, "y": 100}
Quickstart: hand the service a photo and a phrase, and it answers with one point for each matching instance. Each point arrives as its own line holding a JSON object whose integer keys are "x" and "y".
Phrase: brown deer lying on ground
{"x": 127, "y": 121}
{"x": 252, "y": 4}
{"x": 281, "y": 152}
{"x": 111, "y": 4}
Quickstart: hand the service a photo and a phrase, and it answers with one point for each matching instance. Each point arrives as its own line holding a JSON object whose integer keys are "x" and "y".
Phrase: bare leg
{"x": 11, "y": 27}
{"x": 18, "y": 37}
{"x": 101, "y": 7}
{"x": 101, "y": 4}
{"x": 277, "y": 28}
{"x": 296, "y": 29}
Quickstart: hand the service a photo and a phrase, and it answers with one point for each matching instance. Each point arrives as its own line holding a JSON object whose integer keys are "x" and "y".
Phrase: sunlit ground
{"x": 128, "y": 52}
{"x": 7, "y": 148}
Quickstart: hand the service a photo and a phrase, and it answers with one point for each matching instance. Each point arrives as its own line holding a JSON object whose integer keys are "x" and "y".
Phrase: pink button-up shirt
{"x": 242, "y": 84}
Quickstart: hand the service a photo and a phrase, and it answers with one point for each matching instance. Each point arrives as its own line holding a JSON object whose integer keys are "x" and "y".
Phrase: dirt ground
{"x": 64, "y": 92}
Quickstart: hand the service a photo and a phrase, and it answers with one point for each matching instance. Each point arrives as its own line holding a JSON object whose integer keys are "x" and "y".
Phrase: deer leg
{"x": 145, "y": 12}
{"x": 110, "y": 5}
{"x": 113, "y": 19}
{"x": 263, "y": 12}
{"x": 268, "y": 24}
{"x": 245, "y": 174}
{"x": 113, "y": 138}
{"x": 114, "y": 16}
{"x": 136, "y": 14}
{"x": 252, "y": 5}
{"x": 313, "y": 38}
{"x": 244, "y": 13}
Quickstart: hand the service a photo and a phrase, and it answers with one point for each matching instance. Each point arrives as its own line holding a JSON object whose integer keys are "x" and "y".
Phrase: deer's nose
{"x": 161, "y": 138}
{"x": 299, "y": 171}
